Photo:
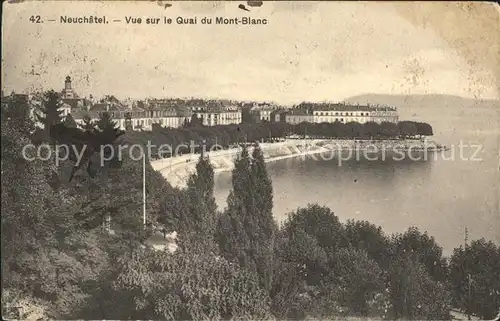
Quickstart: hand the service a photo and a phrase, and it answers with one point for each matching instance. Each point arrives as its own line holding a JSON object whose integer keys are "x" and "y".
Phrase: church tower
{"x": 68, "y": 91}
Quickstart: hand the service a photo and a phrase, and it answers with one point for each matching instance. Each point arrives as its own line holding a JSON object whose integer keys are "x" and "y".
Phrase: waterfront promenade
{"x": 178, "y": 169}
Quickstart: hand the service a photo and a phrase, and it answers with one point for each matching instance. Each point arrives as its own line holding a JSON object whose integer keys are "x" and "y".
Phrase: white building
{"x": 330, "y": 113}
{"x": 139, "y": 119}
{"x": 212, "y": 113}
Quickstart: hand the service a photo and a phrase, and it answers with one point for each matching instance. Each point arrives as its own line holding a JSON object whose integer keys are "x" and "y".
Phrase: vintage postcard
{"x": 256, "y": 160}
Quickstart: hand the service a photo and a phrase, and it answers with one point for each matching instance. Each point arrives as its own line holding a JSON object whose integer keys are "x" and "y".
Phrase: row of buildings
{"x": 324, "y": 113}
{"x": 143, "y": 115}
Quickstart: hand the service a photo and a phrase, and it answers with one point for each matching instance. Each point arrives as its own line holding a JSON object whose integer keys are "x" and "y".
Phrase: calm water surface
{"x": 441, "y": 196}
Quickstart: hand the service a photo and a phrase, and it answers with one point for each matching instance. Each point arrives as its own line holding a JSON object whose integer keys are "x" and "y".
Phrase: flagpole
{"x": 144, "y": 191}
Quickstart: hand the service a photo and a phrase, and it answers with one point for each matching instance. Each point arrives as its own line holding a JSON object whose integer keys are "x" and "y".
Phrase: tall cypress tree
{"x": 246, "y": 230}
{"x": 263, "y": 214}
{"x": 232, "y": 236}
{"x": 200, "y": 222}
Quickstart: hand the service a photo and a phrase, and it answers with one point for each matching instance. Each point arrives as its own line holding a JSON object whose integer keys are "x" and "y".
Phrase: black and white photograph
{"x": 250, "y": 160}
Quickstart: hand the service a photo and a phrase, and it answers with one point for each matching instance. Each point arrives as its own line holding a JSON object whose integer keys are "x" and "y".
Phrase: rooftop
{"x": 341, "y": 107}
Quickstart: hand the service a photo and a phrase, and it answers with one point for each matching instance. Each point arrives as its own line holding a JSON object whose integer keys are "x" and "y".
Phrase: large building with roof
{"x": 330, "y": 113}
{"x": 263, "y": 112}
{"x": 212, "y": 113}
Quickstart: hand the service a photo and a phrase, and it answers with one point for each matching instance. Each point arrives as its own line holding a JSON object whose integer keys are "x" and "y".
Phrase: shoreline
{"x": 176, "y": 170}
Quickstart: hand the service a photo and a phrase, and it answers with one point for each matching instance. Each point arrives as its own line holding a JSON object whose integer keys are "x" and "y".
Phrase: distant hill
{"x": 423, "y": 101}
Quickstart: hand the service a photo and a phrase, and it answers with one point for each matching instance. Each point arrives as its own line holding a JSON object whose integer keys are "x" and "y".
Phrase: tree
{"x": 107, "y": 133}
{"x": 320, "y": 223}
{"x": 88, "y": 125}
{"x": 371, "y": 129}
{"x": 263, "y": 198}
{"x": 107, "y": 126}
{"x": 388, "y": 129}
{"x": 407, "y": 128}
{"x": 424, "y": 129}
{"x": 128, "y": 122}
{"x": 70, "y": 122}
{"x": 233, "y": 236}
{"x": 50, "y": 109}
{"x": 414, "y": 295}
{"x": 246, "y": 229}
{"x": 360, "y": 280}
{"x": 184, "y": 286}
{"x": 476, "y": 270}
{"x": 198, "y": 222}
{"x": 17, "y": 112}
{"x": 365, "y": 236}
{"x": 195, "y": 121}
{"x": 354, "y": 129}
{"x": 43, "y": 256}
{"x": 423, "y": 248}
{"x": 309, "y": 240}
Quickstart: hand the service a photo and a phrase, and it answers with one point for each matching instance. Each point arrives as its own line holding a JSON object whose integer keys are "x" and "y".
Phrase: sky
{"x": 308, "y": 51}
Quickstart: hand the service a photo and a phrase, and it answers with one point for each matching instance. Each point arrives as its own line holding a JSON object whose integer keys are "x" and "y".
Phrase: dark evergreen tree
{"x": 106, "y": 134}
{"x": 237, "y": 228}
{"x": 106, "y": 125}
{"x": 247, "y": 228}
{"x": 198, "y": 223}
{"x": 263, "y": 200}
{"x": 50, "y": 109}
{"x": 70, "y": 122}
{"x": 128, "y": 122}
{"x": 88, "y": 125}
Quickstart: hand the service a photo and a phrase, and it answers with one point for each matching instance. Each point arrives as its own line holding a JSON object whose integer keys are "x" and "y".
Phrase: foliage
{"x": 247, "y": 228}
{"x": 70, "y": 122}
{"x": 198, "y": 222}
{"x": 360, "y": 280}
{"x": 480, "y": 260}
{"x": 17, "y": 113}
{"x": 50, "y": 110}
{"x": 230, "y": 136}
{"x": 183, "y": 286}
{"x": 424, "y": 248}
{"x": 58, "y": 260}
{"x": 88, "y": 125}
{"x": 365, "y": 236}
{"x": 128, "y": 122}
{"x": 414, "y": 295}
{"x": 320, "y": 223}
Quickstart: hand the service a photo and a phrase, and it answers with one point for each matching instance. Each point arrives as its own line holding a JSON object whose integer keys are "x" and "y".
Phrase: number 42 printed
{"x": 36, "y": 19}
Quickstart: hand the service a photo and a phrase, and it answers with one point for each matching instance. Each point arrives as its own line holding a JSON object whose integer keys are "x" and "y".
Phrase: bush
{"x": 184, "y": 286}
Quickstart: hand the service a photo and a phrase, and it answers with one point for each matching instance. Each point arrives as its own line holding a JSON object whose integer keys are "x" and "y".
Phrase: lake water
{"x": 441, "y": 195}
